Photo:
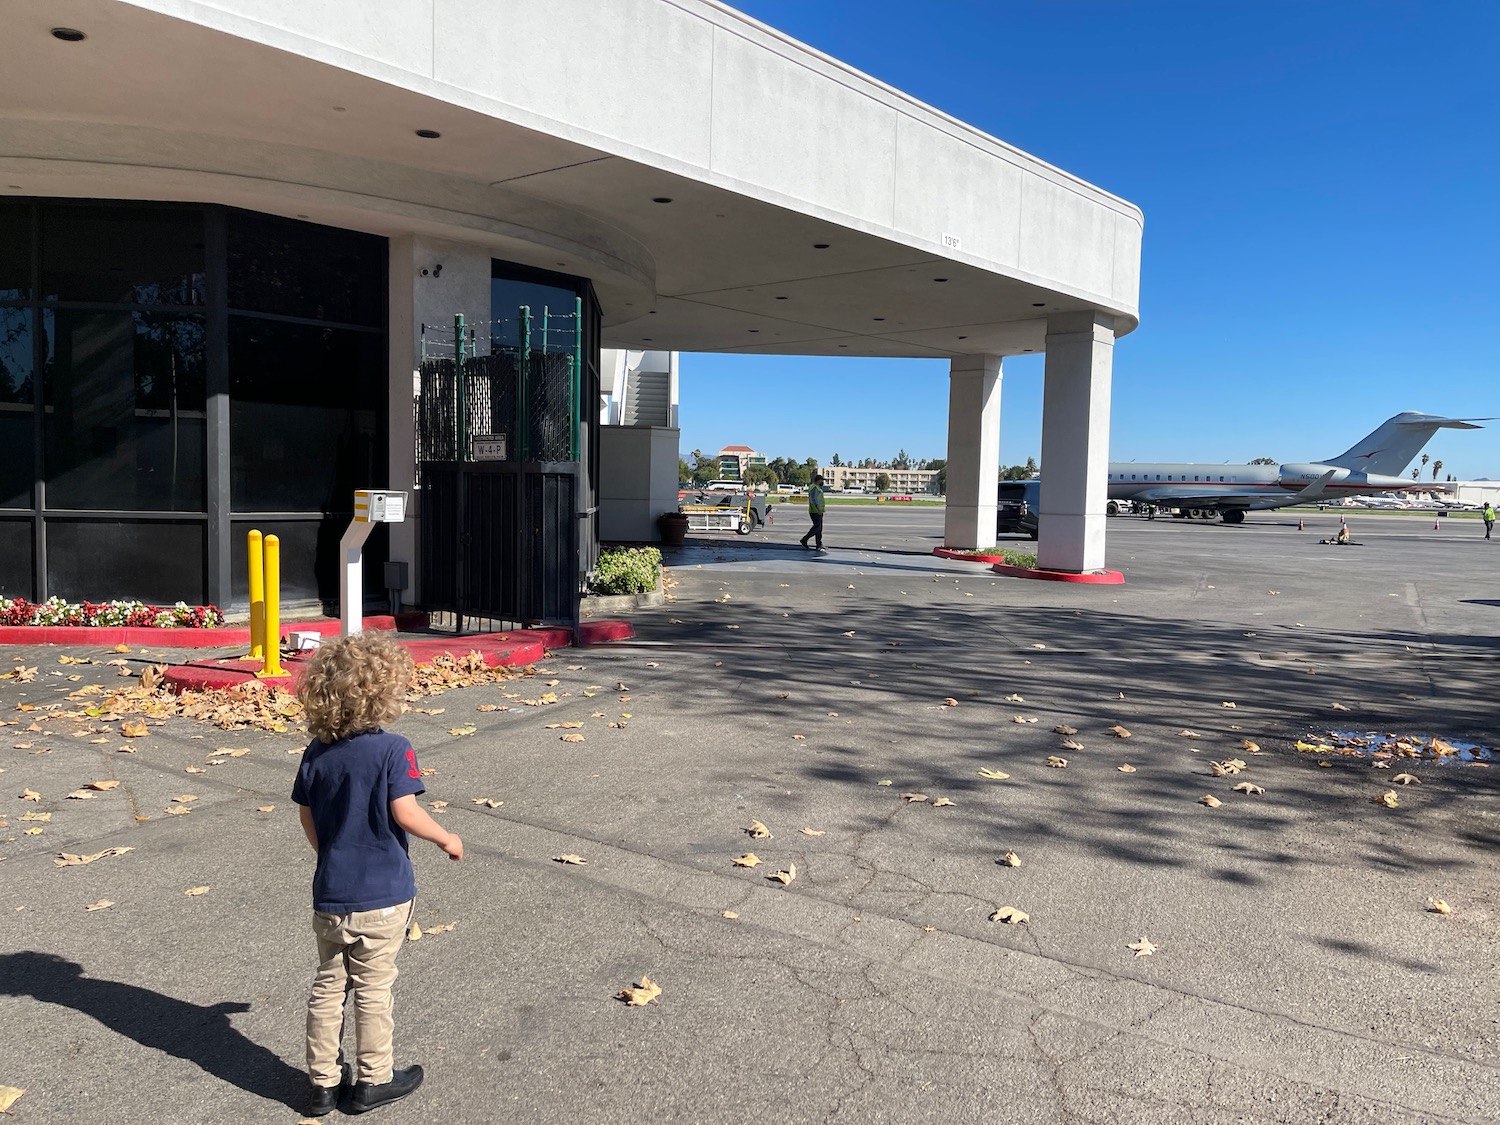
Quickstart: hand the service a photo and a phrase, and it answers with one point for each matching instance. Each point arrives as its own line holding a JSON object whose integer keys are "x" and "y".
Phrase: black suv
{"x": 1017, "y": 510}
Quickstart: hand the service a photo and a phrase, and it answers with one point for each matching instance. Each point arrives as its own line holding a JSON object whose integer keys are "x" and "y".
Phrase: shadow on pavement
{"x": 197, "y": 1034}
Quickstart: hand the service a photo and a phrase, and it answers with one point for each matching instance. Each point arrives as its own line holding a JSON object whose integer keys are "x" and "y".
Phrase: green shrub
{"x": 1019, "y": 558}
{"x": 627, "y": 570}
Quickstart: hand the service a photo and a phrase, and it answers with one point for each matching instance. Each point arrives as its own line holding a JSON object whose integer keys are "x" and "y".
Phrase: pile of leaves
{"x": 1390, "y": 746}
{"x": 448, "y": 671}
{"x": 136, "y": 614}
{"x": 627, "y": 570}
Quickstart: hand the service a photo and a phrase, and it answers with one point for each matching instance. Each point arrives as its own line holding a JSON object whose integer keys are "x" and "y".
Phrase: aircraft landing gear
{"x": 1234, "y": 516}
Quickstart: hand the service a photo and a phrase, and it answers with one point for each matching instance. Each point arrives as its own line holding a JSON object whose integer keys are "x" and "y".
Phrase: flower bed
{"x": 131, "y": 614}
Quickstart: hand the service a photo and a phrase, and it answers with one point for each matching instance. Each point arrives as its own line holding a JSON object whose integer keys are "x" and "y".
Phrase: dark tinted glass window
{"x": 103, "y": 560}
{"x": 305, "y": 404}
{"x": 124, "y": 426}
{"x": 507, "y": 296}
{"x": 129, "y": 255}
{"x": 15, "y": 251}
{"x": 305, "y": 270}
{"x": 16, "y": 559}
{"x": 17, "y": 466}
{"x": 309, "y": 558}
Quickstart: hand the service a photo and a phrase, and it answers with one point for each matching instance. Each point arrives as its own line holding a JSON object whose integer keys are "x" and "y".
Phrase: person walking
{"x": 816, "y": 503}
{"x": 1489, "y": 518}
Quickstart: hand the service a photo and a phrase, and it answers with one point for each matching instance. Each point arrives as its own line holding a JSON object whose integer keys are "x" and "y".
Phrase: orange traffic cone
{"x": 1299, "y": 523}
{"x": 1435, "y": 524}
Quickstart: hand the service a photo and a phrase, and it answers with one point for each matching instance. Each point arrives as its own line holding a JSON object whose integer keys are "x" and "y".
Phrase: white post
{"x": 1075, "y": 441}
{"x": 973, "y": 451}
{"x": 352, "y": 577}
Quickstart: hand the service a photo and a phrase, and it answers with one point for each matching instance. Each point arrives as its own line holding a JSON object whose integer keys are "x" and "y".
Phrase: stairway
{"x": 647, "y": 399}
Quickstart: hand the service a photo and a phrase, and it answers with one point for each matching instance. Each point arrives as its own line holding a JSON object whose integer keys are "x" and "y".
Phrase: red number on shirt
{"x": 411, "y": 759}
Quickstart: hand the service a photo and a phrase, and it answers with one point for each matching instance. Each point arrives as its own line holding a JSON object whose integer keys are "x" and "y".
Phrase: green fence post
{"x": 575, "y": 374}
{"x": 523, "y": 385}
{"x": 461, "y": 411}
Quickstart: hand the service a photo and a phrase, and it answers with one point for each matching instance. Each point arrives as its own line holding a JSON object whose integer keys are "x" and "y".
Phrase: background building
{"x": 736, "y": 461}
{"x": 843, "y": 477}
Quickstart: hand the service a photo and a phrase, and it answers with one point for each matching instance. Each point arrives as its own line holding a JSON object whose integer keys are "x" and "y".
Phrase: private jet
{"x": 1373, "y": 464}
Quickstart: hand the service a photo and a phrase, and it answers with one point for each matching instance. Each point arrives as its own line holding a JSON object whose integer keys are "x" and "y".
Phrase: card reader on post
{"x": 371, "y": 506}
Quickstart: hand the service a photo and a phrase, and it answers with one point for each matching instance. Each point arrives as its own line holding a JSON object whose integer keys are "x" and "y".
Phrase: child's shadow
{"x": 198, "y": 1034}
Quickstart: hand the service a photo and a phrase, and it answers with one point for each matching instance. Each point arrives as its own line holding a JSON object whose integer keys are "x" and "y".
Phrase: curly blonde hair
{"x": 354, "y": 684}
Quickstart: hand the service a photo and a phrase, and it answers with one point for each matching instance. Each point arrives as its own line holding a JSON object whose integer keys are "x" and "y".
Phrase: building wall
{"x": 902, "y": 480}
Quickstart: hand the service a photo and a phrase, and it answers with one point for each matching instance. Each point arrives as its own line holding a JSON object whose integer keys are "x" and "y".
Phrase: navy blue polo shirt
{"x": 362, "y": 854}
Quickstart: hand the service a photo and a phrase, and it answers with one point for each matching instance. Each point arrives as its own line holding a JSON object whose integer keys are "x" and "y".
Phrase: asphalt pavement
{"x": 1299, "y": 973}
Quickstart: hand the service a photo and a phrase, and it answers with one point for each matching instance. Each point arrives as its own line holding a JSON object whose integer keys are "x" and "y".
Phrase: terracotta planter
{"x": 673, "y": 527}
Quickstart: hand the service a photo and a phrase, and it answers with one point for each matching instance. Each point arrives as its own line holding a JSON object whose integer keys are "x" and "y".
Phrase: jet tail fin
{"x": 1388, "y": 450}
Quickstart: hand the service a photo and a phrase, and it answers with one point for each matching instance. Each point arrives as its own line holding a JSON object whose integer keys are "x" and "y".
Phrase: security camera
{"x": 437, "y": 270}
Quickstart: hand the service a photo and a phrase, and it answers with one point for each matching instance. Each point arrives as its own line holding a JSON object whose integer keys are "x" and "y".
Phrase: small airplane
{"x": 1373, "y": 464}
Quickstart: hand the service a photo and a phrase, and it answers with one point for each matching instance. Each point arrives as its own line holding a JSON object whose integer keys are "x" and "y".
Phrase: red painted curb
{"x": 602, "y": 632}
{"x": 960, "y": 556}
{"x": 511, "y": 649}
{"x": 1094, "y": 578}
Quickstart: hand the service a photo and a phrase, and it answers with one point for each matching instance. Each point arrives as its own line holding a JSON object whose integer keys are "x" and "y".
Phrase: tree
{"x": 835, "y": 462}
{"x": 757, "y": 474}
{"x": 1019, "y": 472}
{"x": 1264, "y": 461}
{"x": 1415, "y": 473}
{"x": 882, "y": 482}
{"x": 1437, "y": 467}
{"x": 684, "y": 471}
{"x": 1424, "y": 460}
{"x": 902, "y": 461}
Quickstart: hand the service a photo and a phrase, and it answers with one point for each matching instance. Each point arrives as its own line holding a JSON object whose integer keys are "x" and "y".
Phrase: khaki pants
{"x": 356, "y": 954}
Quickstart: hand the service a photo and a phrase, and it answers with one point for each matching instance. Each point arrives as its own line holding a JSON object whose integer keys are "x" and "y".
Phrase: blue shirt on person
{"x": 362, "y": 853}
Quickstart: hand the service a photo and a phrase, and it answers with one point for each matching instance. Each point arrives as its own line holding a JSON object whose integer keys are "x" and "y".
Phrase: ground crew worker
{"x": 816, "y": 503}
{"x": 1489, "y": 518}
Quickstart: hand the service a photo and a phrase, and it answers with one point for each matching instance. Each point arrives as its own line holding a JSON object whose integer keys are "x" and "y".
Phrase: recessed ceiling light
{"x": 877, "y": 318}
{"x": 661, "y": 199}
{"x": 653, "y": 312}
{"x": 781, "y": 298}
{"x": 1028, "y": 349}
{"x": 428, "y": 134}
{"x": 753, "y": 329}
{"x": 843, "y": 345}
{"x": 68, "y": 34}
{"x": 14, "y": 187}
{"x": 820, "y": 246}
{"x": 1039, "y": 304}
{"x": 940, "y": 280}
{"x": 963, "y": 337}
{"x": 646, "y": 339}
{"x": 340, "y": 109}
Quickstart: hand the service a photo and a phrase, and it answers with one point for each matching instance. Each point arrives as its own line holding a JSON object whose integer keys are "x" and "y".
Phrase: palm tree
{"x": 1415, "y": 473}
{"x": 1437, "y": 467}
{"x": 1424, "y": 460}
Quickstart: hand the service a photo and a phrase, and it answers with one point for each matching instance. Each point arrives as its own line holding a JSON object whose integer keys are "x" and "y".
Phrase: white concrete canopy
{"x": 560, "y": 125}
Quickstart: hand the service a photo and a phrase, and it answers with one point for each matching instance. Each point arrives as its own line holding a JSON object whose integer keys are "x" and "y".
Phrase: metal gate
{"x": 498, "y": 468}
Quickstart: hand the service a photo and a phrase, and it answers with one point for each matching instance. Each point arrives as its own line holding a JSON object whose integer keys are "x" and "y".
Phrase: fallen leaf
{"x": 574, "y": 737}
{"x": 749, "y": 859}
{"x": 1071, "y": 744}
{"x": 133, "y": 728}
{"x": 226, "y": 752}
{"x": 1143, "y": 948}
{"x": 414, "y": 931}
{"x": 437, "y": 806}
{"x": 950, "y": 702}
{"x": 914, "y": 798}
{"x": 460, "y": 732}
{"x": 1406, "y": 779}
{"x": 1063, "y": 728}
{"x": 1038, "y": 645}
{"x": 30, "y": 795}
{"x": 194, "y": 769}
{"x": 39, "y": 817}
{"x": 758, "y": 830}
{"x": 646, "y": 992}
{"x": 1388, "y": 799}
{"x": 1188, "y": 734}
{"x": 102, "y": 904}
{"x": 120, "y": 648}
{"x": 33, "y": 832}
{"x": 942, "y": 803}
{"x": 493, "y": 707}
{"x": 186, "y": 798}
{"x": 1438, "y": 906}
{"x": 799, "y": 738}
{"x": 102, "y": 786}
{"x": 265, "y": 808}
{"x": 850, "y": 633}
{"x": 1010, "y": 916}
{"x": 784, "y": 877}
{"x": 1338, "y": 707}
{"x": 729, "y": 914}
{"x": 813, "y": 832}
{"x": 1057, "y": 763}
{"x": 1210, "y": 800}
{"x": 994, "y": 775}
{"x": 1250, "y": 747}
{"x": 1125, "y": 767}
{"x": 9, "y": 1095}
{"x": 884, "y": 781}
{"x": 1010, "y": 859}
{"x": 1014, "y": 699}
{"x": 1118, "y": 731}
{"x": 1250, "y": 789}
{"x": 441, "y": 928}
{"x": 1022, "y": 719}
{"x": 487, "y": 802}
{"x": 1228, "y": 704}
{"x": 570, "y": 858}
{"x": 194, "y": 892}
{"x": 82, "y": 795}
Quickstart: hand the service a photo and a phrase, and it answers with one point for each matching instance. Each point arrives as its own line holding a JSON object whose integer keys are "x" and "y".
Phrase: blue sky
{"x": 1321, "y": 187}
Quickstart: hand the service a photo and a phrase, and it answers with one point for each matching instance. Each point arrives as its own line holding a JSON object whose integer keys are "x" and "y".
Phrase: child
{"x": 357, "y": 792}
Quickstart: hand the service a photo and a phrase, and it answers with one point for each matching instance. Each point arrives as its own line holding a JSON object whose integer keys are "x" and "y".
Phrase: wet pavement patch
{"x": 1374, "y": 744}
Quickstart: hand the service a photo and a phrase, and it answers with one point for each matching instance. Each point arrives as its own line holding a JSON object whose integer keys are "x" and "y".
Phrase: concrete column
{"x": 973, "y": 451}
{"x": 404, "y": 347}
{"x": 1075, "y": 441}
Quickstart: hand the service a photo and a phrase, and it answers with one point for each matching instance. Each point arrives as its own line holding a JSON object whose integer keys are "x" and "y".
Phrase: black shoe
{"x": 367, "y": 1097}
{"x": 325, "y": 1099}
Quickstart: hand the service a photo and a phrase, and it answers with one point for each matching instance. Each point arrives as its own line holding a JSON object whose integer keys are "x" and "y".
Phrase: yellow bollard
{"x": 272, "y": 628}
{"x": 257, "y": 599}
